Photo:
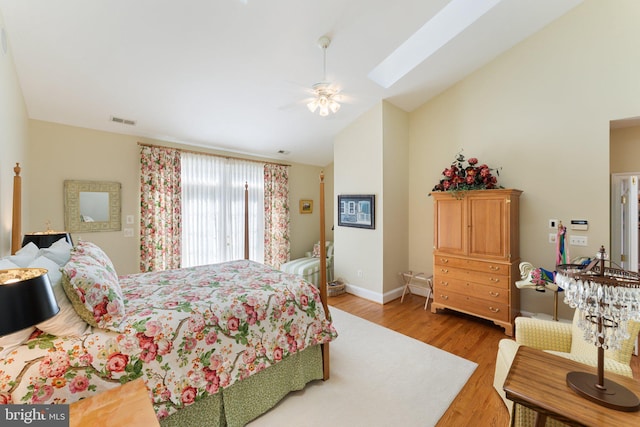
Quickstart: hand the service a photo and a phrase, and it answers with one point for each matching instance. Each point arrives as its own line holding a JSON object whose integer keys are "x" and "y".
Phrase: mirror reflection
{"x": 94, "y": 206}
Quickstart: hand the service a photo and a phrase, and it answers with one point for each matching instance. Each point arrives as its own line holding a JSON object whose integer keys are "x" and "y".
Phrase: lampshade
{"x": 44, "y": 239}
{"x": 26, "y": 299}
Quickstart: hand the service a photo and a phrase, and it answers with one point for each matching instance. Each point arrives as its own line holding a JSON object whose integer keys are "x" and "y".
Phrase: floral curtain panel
{"x": 160, "y": 209}
{"x": 276, "y": 215}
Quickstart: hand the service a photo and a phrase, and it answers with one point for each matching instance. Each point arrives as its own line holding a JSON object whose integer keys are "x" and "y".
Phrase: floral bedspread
{"x": 189, "y": 333}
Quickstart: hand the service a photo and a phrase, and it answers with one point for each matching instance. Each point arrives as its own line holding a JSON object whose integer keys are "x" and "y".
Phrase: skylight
{"x": 454, "y": 18}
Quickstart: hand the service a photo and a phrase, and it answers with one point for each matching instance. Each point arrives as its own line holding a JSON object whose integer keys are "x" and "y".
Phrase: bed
{"x": 215, "y": 345}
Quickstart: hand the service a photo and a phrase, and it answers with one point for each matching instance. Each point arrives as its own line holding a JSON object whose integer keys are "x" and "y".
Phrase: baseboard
{"x": 378, "y": 297}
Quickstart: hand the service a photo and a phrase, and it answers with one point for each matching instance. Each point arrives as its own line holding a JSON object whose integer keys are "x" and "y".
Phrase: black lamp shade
{"x": 26, "y": 299}
{"x": 45, "y": 239}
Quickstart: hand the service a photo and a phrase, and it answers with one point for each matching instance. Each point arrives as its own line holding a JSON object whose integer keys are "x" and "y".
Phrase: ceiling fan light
{"x": 324, "y": 109}
{"x": 326, "y": 95}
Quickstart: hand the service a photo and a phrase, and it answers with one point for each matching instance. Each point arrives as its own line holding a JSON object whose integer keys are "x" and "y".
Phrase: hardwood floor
{"x": 471, "y": 338}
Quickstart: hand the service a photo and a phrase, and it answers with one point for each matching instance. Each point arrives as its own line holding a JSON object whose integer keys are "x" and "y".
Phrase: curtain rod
{"x": 185, "y": 150}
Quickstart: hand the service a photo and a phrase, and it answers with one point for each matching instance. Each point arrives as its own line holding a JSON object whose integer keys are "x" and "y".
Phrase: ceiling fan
{"x": 325, "y": 94}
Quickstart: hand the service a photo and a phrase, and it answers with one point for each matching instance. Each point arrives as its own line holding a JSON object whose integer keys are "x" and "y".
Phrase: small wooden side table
{"x": 537, "y": 380}
{"x": 127, "y": 405}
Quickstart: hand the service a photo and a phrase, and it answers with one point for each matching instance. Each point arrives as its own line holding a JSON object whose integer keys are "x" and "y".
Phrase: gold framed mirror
{"x": 92, "y": 206}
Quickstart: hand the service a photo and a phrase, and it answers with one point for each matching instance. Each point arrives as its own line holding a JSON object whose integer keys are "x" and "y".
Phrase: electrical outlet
{"x": 553, "y": 237}
{"x": 578, "y": 240}
{"x": 128, "y": 232}
{"x": 553, "y": 223}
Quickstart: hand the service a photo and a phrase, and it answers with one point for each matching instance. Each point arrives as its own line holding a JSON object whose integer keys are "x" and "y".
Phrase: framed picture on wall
{"x": 306, "y": 206}
{"x": 357, "y": 211}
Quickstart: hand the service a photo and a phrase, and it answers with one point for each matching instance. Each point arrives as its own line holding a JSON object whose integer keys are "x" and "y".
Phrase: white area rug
{"x": 378, "y": 378}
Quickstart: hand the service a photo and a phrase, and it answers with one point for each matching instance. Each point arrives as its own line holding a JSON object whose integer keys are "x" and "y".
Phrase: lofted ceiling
{"x": 233, "y": 74}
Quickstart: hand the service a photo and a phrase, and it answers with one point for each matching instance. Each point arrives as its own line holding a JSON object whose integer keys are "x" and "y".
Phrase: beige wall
{"x": 13, "y": 141}
{"x": 304, "y": 228}
{"x": 357, "y": 153}
{"x": 371, "y": 157}
{"x": 541, "y": 111}
{"x": 58, "y": 152}
{"x": 625, "y": 150}
{"x": 395, "y": 197}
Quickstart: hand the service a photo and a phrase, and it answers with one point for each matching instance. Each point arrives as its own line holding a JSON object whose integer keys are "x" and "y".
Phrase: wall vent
{"x": 285, "y": 152}
{"x": 123, "y": 121}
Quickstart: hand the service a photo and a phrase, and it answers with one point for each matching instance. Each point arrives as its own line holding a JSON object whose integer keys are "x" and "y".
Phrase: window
{"x": 213, "y": 209}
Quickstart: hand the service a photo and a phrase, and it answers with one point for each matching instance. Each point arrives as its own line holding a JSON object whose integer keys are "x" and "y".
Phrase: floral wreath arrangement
{"x": 461, "y": 177}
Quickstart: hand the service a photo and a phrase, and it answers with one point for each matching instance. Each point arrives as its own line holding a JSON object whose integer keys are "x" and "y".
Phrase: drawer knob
{"x": 444, "y": 283}
{"x": 491, "y": 267}
{"x": 444, "y": 270}
{"x": 494, "y": 294}
{"x": 444, "y": 260}
{"x": 444, "y": 297}
{"x": 491, "y": 279}
{"x": 495, "y": 310}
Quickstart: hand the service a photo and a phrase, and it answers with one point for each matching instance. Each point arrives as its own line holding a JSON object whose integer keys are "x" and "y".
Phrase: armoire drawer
{"x": 490, "y": 279}
{"x": 472, "y": 289}
{"x": 471, "y": 264}
{"x": 471, "y": 305}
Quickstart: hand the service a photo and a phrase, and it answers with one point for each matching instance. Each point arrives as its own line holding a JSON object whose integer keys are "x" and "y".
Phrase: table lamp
{"x": 44, "y": 239}
{"x": 607, "y": 298}
{"x": 26, "y": 299}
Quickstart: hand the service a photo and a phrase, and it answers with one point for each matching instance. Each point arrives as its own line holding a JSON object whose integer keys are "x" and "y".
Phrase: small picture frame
{"x": 357, "y": 211}
{"x": 306, "y": 206}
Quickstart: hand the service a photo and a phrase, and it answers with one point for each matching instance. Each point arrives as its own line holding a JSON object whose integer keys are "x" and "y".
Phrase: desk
{"x": 537, "y": 380}
{"x": 127, "y": 405}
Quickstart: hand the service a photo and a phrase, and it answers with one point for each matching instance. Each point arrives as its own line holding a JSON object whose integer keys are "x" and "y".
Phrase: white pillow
{"x": 9, "y": 342}
{"x": 60, "y": 252}
{"x": 25, "y": 255}
{"x": 66, "y": 322}
{"x": 5, "y": 264}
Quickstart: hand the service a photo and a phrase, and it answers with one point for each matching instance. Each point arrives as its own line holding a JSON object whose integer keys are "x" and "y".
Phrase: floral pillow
{"x": 94, "y": 292}
{"x": 95, "y": 252}
{"x": 316, "y": 251}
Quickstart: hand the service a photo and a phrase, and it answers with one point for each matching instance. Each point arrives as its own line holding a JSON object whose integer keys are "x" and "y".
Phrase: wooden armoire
{"x": 476, "y": 254}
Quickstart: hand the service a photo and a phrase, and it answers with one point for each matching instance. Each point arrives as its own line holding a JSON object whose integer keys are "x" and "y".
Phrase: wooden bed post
{"x": 323, "y": 276}
{"x": 16, "y": 226}
{"x": 246, "y": 220}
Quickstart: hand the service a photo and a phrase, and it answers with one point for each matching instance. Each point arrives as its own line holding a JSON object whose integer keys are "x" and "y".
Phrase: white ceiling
{"x": 231, "y": 74}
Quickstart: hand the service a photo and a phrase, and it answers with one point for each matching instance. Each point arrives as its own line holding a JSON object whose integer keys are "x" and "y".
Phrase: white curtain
{"x": 213, "y": 209}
